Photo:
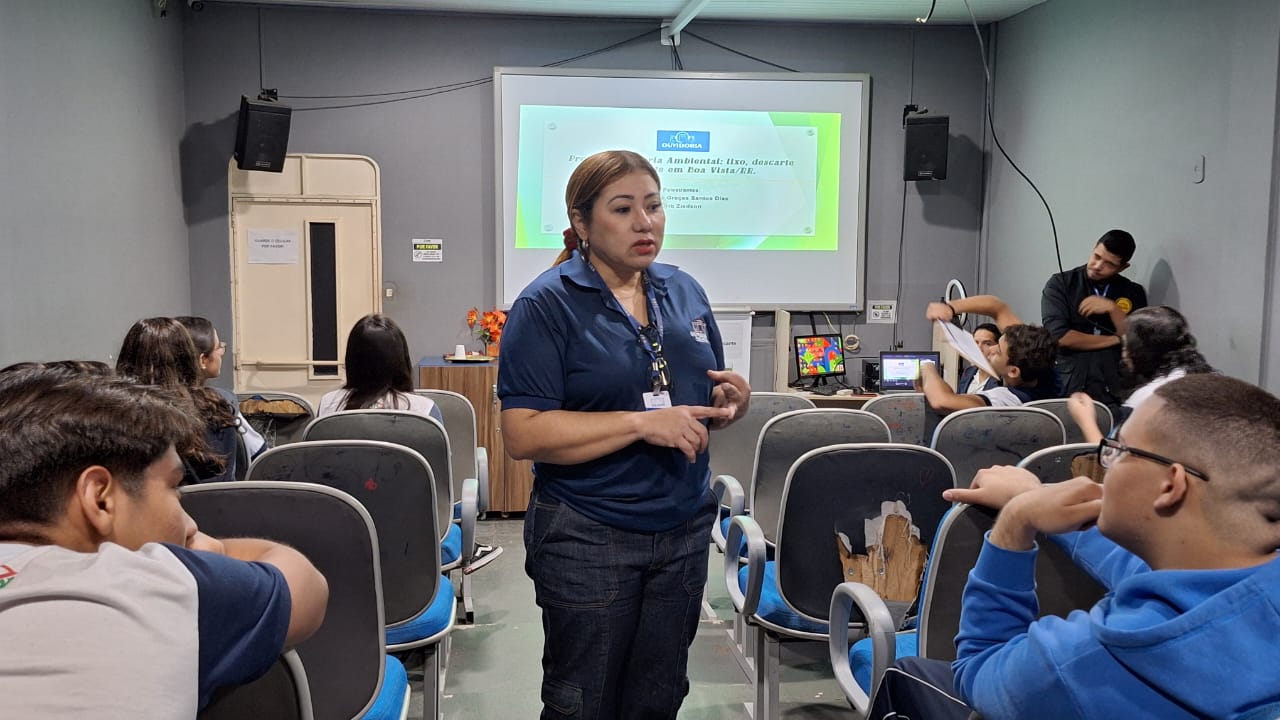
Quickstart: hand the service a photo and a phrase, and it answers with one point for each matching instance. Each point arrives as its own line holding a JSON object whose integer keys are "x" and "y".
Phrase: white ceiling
{"x": 871, "y": 11}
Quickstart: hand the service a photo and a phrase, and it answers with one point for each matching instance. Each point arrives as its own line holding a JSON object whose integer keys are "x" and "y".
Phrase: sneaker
{"x": 483, "y": 555}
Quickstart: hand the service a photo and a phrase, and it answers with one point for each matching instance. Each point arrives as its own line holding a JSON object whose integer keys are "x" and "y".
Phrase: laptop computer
{"x": 900, "y": 368}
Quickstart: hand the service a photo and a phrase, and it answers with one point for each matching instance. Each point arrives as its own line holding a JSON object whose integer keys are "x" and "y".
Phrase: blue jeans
{"x": 619, "y": 611}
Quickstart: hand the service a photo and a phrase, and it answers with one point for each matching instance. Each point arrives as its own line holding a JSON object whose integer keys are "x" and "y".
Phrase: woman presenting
{"x": 610, "y": 379}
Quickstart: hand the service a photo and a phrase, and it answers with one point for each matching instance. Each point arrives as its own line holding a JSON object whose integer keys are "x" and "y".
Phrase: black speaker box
{"x": 262, "y": 135}
{"x": 871, "y": 376}
{"x": 926, "y": 148}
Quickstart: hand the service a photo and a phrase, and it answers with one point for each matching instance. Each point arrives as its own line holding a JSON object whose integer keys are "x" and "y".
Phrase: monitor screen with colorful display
{"x": 819, "y": 356}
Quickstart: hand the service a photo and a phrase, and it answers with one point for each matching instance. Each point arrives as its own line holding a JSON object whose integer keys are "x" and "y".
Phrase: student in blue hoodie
{"x": 1187, "y": 529}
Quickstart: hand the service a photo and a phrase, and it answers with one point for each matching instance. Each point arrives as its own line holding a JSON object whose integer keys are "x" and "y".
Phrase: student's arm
{"x": 1003, "y": 661}
{"x": 989, "y": 305}
{"x": 939, "y": 394}
{"x": 1080, "y": 405}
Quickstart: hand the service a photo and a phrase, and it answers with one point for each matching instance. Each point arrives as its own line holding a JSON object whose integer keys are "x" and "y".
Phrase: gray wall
{"x": 1107, "y": 105}
{"x": 436, "y": 154}
{"x": 91, "y": 226}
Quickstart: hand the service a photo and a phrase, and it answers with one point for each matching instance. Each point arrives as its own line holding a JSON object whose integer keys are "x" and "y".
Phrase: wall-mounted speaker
{"x": 262, "y": 135}
{"x": 926, "y": 148}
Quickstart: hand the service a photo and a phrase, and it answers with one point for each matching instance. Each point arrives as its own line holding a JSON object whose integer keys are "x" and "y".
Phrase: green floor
{"x": 494, "y": 669}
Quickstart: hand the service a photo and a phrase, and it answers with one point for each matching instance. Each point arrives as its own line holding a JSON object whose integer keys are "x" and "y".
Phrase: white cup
{"x": 459, "y": 351}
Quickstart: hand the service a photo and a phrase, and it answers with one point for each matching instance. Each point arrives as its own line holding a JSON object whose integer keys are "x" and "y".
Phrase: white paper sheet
{"x": 963, "y": 342}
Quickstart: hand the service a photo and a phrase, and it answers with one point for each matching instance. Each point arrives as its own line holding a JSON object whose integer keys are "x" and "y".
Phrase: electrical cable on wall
{"x": 982, "y": 50}
{"x": 902, "y": 221}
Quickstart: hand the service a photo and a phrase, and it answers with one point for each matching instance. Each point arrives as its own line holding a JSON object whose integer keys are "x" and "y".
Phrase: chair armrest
{"x": 293, "y": 664}
{"x": 880, "y": 629}
{"x": 482, "y": 479}
{"x": 739, "y": 527}
{"x": 468, "y": 519}
{"x": 726, "y": 487}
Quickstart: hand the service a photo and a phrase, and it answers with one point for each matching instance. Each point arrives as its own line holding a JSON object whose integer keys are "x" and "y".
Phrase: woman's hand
{"x": 1080, "y": 405}
{"x": 732, "y": 391}
{"x": 680, "y": 427}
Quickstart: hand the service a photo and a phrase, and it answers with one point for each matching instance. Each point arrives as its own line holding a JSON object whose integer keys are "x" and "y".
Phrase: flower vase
{"x": 491, "y": 349}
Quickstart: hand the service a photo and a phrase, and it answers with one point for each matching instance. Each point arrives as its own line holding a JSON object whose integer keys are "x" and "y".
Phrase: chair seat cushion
{"x": 451, "y": 545}
{"x": 430, "y": 621}
{"x": 773, "y": 608}
{"x": 393, "y": 693}
{"x": 860, "y": 655}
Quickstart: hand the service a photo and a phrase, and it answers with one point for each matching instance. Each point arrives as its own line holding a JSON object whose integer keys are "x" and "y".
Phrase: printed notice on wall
{"x": 428, "y": 250}
{"x": 735, "y": 336}
{"x": 882, "y": 311}
{"x": 273, "y": 247}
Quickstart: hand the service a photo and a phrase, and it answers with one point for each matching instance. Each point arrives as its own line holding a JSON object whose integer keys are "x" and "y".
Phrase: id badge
{"x": 657, "y": 400}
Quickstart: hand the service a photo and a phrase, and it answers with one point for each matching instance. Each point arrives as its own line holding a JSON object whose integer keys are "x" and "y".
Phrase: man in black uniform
{"x": 1085, "y": 309}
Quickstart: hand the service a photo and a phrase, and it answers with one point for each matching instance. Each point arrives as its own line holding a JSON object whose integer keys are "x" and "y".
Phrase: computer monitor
{"x": 819, "y": 356}
{"x": 900, "y": 368}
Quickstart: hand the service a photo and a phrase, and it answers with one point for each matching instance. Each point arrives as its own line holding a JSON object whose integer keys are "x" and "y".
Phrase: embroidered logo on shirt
{"x": 699, "y": 331}
{"x": 7, "y": 574}
{"x": 1125, "y": 305}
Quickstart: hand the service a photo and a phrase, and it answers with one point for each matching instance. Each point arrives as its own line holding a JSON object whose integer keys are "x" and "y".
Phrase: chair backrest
{"x": 424, "y": 435}
{"x": 1061, "y": 585}
{"x": 283, "y": 694}
{"x": 394, "y": 483}
{"x": 907, "y": 414}
{"x": 1053, "y": 464}
{"x": 345, "y": 659}
{"x": 733, "y": 448}
{"x": 1058, "y": 406}
{"x": 981, "y": 437}
{"x": 460, "y": 425}
{"x": 839, "y": 488}
{"x": 786, "y": 437}
{"x": 280, "y": 426}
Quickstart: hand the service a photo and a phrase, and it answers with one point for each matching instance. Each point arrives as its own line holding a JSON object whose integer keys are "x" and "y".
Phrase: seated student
{"x": 1187, "y": 528}
{"x": 974, "y": 379}
{"x": 112, "y": 604}
{"x": 379, "y": 372}
{"x": 211, "y": 349}
{"x": 1157, "y": 347}
{"x": 1022, "y": 358}
{"x": 159, "y": 351}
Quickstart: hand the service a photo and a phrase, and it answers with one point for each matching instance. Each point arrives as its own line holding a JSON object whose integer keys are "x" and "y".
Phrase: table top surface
{"x": 440, "y": 361}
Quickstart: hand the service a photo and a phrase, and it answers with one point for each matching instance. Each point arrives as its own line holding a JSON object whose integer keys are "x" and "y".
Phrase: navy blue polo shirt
{"x": 569, "y": 345}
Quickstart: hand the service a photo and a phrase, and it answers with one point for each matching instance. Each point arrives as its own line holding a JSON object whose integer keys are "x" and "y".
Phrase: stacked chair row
{"x": 827, "y": 471}
{"x": 1061, "y": 587}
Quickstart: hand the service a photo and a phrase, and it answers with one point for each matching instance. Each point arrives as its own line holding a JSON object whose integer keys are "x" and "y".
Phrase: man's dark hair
{"x": 1118, "y": 242}
{"x": 991, "y": 328}
{"x": 1031, "y": 349}
{"x": 53, "y": 425}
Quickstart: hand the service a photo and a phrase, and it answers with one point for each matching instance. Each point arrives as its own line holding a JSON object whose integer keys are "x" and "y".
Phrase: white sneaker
{"x": 483, "y": 555}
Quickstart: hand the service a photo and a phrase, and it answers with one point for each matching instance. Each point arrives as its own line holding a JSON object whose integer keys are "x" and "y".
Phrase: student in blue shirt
{"x": 611, "y": 377}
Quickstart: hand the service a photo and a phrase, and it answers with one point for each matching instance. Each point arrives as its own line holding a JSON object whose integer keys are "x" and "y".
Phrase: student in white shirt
{"x": 379, "y": 373}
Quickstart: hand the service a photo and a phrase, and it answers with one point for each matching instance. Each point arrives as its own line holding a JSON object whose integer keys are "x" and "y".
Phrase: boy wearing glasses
{"x": 1187, "y": 528}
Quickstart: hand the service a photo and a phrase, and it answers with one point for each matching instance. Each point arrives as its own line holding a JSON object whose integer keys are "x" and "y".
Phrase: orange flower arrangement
{"x": 487, "y": 325}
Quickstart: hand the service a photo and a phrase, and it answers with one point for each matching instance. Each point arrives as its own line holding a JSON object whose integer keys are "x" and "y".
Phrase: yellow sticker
{"x": 1125, "y": 305}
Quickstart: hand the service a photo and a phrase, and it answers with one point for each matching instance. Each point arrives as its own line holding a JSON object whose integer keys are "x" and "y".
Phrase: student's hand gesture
{"x": 680, "y": 427}
{"x": 939, "y": 311}
{"x": 995, "y": 486}
{"x": 1080, "y": 405}
{"x": 1051, "y": 509}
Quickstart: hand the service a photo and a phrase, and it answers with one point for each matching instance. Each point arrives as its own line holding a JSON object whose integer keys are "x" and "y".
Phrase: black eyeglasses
{"x": 1111, "y": 451}
{"x": 659, "y": 372}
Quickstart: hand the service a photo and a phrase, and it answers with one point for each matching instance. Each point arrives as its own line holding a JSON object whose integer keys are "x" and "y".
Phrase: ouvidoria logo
{"x": 684, "y": 140}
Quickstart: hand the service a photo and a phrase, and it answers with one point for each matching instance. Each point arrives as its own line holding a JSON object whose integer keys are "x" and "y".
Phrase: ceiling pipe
{"x": 671, "y": 28}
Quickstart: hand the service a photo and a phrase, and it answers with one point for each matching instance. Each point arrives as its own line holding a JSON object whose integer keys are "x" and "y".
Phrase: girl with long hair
{"x": 379, "y": 372}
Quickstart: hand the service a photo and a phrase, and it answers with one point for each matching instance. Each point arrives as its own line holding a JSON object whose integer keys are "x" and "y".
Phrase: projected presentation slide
{"x": 731, "y": 179}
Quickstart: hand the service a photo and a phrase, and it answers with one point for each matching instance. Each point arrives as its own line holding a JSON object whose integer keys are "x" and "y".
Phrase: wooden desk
{"x": 852, "y": 402}
{"x": 510, "y": 481}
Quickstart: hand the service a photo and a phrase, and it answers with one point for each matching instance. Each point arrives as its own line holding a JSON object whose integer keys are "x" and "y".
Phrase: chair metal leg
{"x": 742, "y": 642}
{"x": 432, "y": 681}
{"x": 468, "y": 601}
{"x": 768, "y": 676}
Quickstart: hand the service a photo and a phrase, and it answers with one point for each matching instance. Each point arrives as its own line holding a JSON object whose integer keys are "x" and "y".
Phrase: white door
{"x": 303, "y": 272}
